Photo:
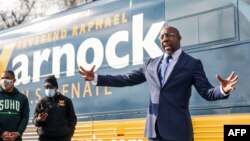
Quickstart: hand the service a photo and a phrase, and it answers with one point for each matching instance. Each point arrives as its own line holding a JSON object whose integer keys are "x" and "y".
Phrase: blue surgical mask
{"x": 50, "y": 92}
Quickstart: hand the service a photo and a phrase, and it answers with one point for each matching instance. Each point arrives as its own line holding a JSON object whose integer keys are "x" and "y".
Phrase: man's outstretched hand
{"x": 88, "y": 75}
{"x": 229, "y": 83}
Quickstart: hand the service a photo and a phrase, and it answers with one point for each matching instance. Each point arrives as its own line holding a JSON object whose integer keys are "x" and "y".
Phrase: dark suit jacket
{"x": 169, "y": 104}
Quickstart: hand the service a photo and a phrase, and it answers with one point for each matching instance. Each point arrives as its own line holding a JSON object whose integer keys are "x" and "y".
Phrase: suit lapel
{"x": 156, "y": 66}
{"x": 181, "y": 62}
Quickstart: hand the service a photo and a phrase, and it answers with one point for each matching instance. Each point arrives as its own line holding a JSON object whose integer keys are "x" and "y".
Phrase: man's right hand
{"x": 7, "y": 136}
{"x": 88, "y": 75}
{"x": 42, "y": 117}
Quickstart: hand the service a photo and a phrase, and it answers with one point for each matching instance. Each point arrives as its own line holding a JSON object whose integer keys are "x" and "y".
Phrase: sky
{"x": 7, "y": 4}
{"x": 12, "y": 5}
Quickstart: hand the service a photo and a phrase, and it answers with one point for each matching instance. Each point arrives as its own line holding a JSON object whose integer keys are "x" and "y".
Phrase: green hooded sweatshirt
{"x": 14, "y": 111}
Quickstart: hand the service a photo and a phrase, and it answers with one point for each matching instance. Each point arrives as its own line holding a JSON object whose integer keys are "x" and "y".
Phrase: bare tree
{"x": 26, "y": 10}
{"x": 18, "y": 15}
{"x": 73, "y": 3}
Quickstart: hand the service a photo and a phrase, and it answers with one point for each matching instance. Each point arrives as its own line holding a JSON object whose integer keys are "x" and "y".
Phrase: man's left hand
{"x": 228, "y": 84}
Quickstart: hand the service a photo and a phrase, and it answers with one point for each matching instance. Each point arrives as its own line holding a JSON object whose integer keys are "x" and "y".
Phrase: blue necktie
{"x": 164, "y": 66}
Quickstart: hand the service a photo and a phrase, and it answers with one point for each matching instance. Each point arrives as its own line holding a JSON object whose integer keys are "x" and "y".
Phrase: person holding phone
{"x": 54, "y": 115}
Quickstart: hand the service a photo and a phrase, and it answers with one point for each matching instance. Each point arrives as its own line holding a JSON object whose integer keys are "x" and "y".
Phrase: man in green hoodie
{"x": 14, "y": 109}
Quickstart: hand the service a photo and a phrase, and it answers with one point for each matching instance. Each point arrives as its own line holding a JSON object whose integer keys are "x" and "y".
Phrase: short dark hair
{"x": 10, "y": 72}
{"x": 172, "y": 27}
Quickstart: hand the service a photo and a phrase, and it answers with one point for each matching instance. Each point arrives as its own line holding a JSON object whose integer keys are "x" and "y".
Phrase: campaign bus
{"x": 118, "y": 36}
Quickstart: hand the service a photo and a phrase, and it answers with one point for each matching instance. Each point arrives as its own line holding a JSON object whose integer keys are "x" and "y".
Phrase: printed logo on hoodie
{"x": 9, "y": 104}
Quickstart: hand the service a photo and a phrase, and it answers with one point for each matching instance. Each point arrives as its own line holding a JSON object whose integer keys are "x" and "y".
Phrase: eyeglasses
{"x": 167, "y": 35}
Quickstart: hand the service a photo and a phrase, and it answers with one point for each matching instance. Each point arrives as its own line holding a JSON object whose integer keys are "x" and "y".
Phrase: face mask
{"x": 50, "y": 92}
{"x": 6, "y": 83}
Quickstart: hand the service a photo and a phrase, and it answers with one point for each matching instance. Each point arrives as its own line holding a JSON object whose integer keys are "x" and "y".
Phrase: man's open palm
{"x": 229, "y": 83}
{"x": 88, "y": 75}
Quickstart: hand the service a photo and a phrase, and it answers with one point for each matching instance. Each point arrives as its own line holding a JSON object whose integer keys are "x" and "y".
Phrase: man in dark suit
{"x": 170, "y": 78}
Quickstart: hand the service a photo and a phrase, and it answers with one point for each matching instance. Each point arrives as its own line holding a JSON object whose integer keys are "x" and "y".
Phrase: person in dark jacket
{"x": 54, "y": 115}
{"x": 14, "y": 109}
